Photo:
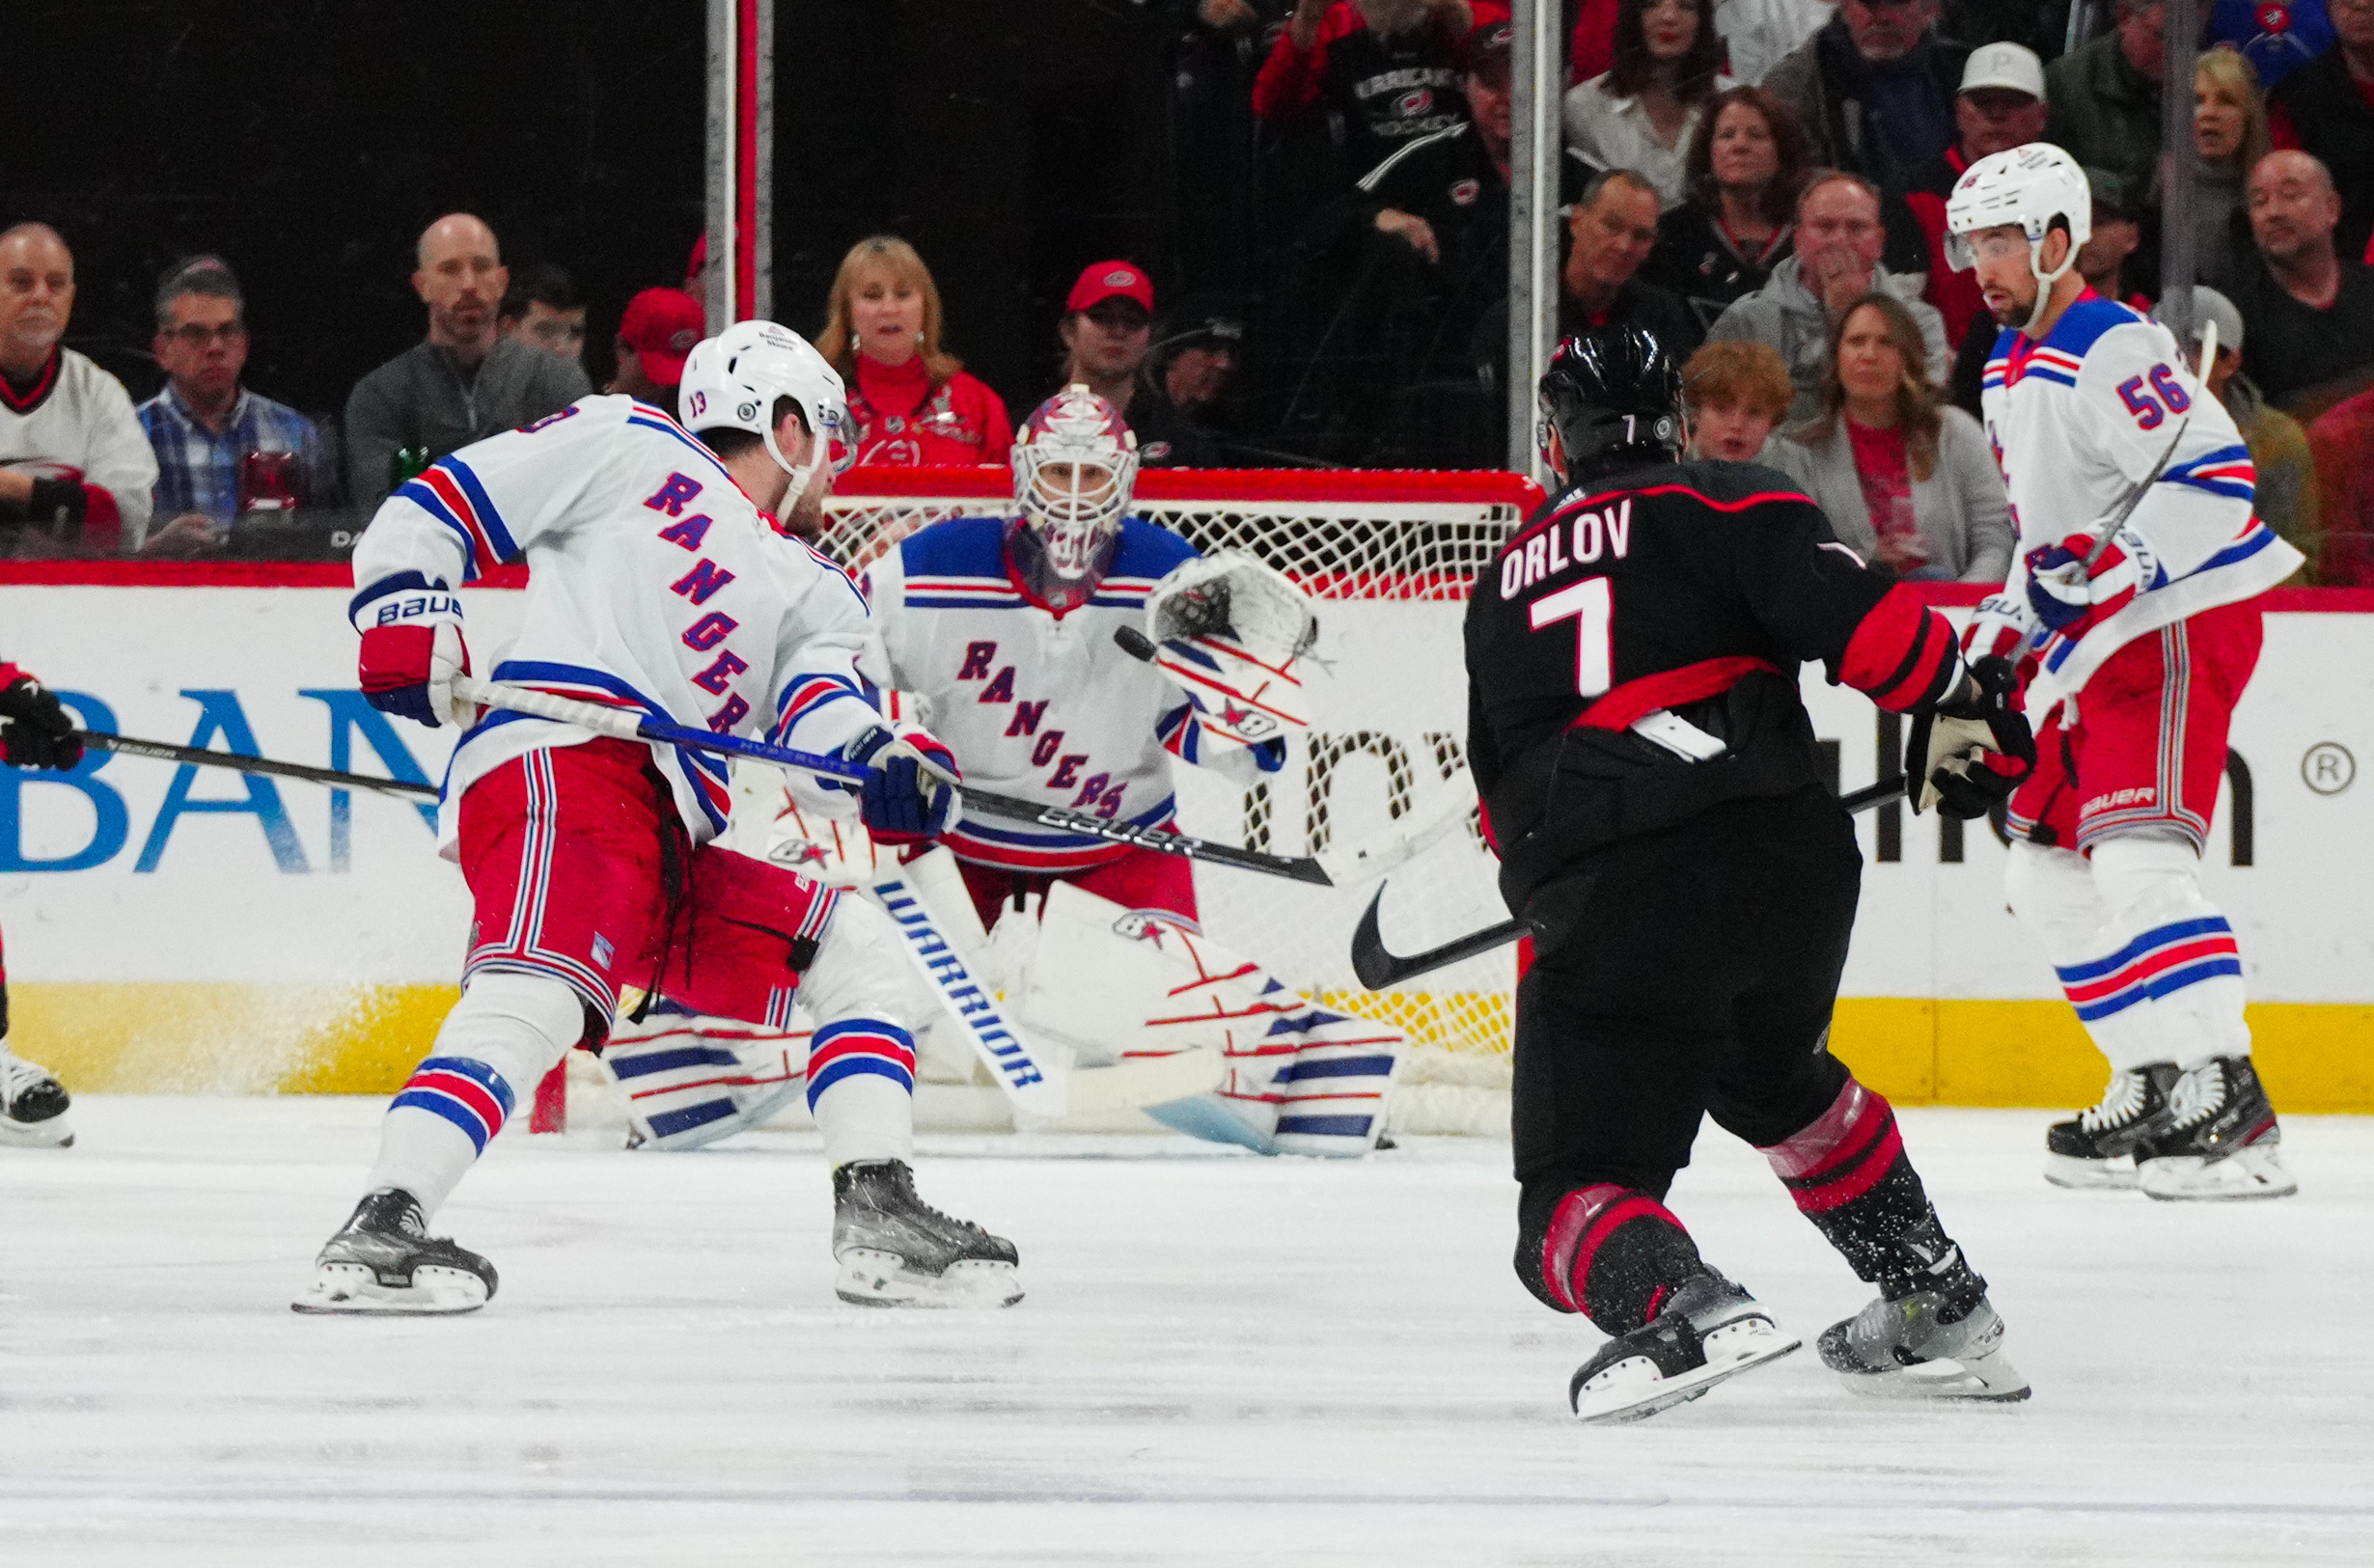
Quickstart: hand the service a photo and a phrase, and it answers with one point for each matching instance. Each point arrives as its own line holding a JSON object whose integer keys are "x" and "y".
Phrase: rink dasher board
{"x": 314, "y": 945}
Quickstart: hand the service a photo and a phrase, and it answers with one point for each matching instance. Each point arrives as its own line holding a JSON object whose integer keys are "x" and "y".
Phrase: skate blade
{"x": 876, "y": 1279}
{"x": 2253, "y": 1171}
{"x": 1983, "y": 1379}
{"x": 2113, "y": 1175}
{"x": 53, "y": 1133}
{"x": 351, "y": 1290}
{"x": 1600, "y": 1403}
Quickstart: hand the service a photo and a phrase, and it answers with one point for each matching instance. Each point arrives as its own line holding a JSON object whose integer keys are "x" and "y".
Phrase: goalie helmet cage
{"x": 1390, "y": 558}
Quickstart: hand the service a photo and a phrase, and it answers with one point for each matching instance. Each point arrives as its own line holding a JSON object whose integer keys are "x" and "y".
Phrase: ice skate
{"x": 33, "y": 1106}
{"x": 896, "y": 1250}
{"x": 2098, "y": 1148}
{"x": 1709, "y": 1330}
{"x": 1930, "y": 1336}
{"x": 385, "y": 1262}
{"x": 2222, "y": 1143}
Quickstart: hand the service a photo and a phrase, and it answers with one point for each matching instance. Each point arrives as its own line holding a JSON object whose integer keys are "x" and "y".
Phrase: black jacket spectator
{"x": 2106, "y": 111}
{"x": 1388, "y": 90}
{"x": 1746, "y": 163}
{"x": 1880, "y": 118}
{"x": 2304, "y": 357}
{"x": 2327, "y": 110}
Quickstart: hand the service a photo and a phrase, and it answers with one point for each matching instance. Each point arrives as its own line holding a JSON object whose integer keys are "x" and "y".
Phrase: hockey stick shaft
{"x": 2134, "y": 497}
{"x": 165, "y": 752}
{"x": 626, "y": 725}
{"x": 1377, "y": 967}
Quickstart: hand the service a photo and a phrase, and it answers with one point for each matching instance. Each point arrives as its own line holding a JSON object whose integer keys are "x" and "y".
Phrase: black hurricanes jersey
{"x": 1697, "y": 588}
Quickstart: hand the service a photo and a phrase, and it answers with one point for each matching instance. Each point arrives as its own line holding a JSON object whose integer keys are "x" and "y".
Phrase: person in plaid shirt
{"x": 203, "y": 422}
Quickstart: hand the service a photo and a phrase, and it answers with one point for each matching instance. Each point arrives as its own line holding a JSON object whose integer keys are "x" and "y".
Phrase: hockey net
{"x": 1390, "y": 558}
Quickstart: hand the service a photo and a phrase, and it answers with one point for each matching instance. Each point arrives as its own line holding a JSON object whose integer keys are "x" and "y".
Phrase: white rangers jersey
{"x": 654, "y": 585}
{"x": 77, "y": 425}
{"x": 1037, "y": 706}
{"x": 2077, "y": 421}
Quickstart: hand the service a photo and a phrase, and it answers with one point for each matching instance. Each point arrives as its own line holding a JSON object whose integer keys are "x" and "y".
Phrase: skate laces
{"x": 2122, "y": 1102}
{"x": 2198, "y": 1094}
{"x": 17, "y": 1076}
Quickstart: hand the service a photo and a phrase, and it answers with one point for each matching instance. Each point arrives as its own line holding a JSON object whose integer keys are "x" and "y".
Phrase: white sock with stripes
{"x": 860, "y": 1090}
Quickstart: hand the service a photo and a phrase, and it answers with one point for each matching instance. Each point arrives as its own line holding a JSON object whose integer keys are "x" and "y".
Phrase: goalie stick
{"x": 1378, "y": 967}
{"x": 629, "y": 725}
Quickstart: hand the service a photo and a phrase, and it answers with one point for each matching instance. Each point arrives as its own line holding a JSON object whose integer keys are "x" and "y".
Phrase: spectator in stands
{"x": 204, "y": 424}
{"x": 2106, "y": 97}
{"x": 1610, "y": 233}
{"x": 1839, "y": 239}
{"x": 2310, "y": 311}
{"x": 542, "y": 310}
{"x": 1736, "y": 394}
{"x": 1753, "y": 35}
{"x": 2327, "y": 108}
{"x": 2277, "y": 36}
{"x": 2341, "y": 440}
{"x": 1875, "y": 89}
{"x": 465, "y": 380}
{"x": 1746, "y": 165}
{"x": 75, "y": 468}
{"x": 1904, "y": 480}
{"x": 660, "y": 327}
{"x": 2229, "y": 132}
{"x": 1198, "y": 361}
{"x": 2285, "y": 498}
{"x": 1108, "y": 335}
{"x": 2000, "y": 106}
{"x": 1389, "y": 67}
{"x": 913, "y": 401}
{"x": 2118, "y": 232}
{"x": 1643, "y": 112}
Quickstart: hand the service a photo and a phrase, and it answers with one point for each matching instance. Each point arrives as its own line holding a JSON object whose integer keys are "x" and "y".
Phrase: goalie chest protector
{"x": 1037, "y": 705}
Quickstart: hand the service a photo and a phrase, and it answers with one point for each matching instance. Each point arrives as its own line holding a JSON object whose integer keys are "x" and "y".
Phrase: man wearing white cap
{"x": 1999, "y": 106}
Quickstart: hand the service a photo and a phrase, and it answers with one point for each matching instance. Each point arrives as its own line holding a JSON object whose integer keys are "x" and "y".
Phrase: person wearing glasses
{"x": 74, "y": 469}
{"x": 220, "y": 447}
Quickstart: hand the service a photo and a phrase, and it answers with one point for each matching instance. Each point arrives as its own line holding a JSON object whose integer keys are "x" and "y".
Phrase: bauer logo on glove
{"x": 2083, "y": 580}
{"x": 412, "y": 649}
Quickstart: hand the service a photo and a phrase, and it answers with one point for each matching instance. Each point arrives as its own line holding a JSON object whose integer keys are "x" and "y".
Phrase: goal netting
{"x": 1389, "y": 557}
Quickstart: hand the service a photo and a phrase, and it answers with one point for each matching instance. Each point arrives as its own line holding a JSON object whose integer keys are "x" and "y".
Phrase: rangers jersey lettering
{"x": 2077, "y": 421}
{"x": 1037, "y": 706}
{"x": 655, "y": 585}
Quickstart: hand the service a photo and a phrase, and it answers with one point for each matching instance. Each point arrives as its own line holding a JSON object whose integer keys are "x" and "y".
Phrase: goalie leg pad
{"x": 690, "y": 1081}
{"x": 1337, "y": 1085}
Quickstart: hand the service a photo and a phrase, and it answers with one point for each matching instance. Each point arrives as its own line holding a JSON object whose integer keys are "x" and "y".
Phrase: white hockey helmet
{"x": 731, "y": 382}
{"x": 2031, "y": 186}
{"x": 1075, "y": 469}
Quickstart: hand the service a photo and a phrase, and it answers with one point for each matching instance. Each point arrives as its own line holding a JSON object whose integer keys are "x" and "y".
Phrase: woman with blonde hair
{"x": 1906, "y": 479}
{"x": 913, "y": 402}
{"x": 2230, "y": 130}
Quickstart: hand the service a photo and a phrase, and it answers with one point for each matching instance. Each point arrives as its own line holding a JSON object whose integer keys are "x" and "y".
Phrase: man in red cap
{"x": 1108, "y": 331}
{"x": 658, "y": 330}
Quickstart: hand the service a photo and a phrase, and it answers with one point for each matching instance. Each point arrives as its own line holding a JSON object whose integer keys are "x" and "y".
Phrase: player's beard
{"x": 802, "y": 516}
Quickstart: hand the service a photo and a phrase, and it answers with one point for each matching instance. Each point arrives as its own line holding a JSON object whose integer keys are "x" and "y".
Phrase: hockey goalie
{"x": 1070, "y": 655}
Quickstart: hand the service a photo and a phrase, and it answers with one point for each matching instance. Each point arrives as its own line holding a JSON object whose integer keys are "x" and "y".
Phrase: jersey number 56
{"x": 1591, "y": 607}
{"x": 2147, "y": 409}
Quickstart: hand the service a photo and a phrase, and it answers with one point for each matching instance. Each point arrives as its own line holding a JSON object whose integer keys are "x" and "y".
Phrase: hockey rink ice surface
{"x": 1222, "y": 1360}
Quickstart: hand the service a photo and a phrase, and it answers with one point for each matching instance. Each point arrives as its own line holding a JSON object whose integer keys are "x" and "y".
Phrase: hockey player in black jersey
{"x": 1651, "y": 781}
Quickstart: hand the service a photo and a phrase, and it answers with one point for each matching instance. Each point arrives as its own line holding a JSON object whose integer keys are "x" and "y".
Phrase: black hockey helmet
{"x": 1614, "y": 395}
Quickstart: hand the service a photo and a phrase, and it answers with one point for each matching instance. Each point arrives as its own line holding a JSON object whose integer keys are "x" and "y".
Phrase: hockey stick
{"x": 627, "y": 724}
{"x": 165, "y": 752}
{"x": 2134, "y": 497}
{"x": 1031, "y": 1078}
{"x": 1378, "y": 967}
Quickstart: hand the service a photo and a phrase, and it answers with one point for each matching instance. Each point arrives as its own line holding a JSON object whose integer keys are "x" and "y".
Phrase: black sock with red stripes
{"x": 1849, "y": 1173}
{"x": 1614, "y": 1253}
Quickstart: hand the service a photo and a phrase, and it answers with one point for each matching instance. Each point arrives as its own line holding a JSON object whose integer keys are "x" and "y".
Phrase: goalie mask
{"x": 1075, "y": 467}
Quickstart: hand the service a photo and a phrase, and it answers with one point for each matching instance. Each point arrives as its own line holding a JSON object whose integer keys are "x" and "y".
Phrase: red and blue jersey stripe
{"x": 451, "y": 493}
{"x": 468, "y": 1093}
{"x": 2156, "y": 964}
{"x": 858, "y": 1045}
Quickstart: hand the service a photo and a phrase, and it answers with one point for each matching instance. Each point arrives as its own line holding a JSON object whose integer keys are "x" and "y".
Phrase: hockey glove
{"x": 412, "y": 649}
{"x": 2064, "y": 591}
{"x": 1966, "y": 755}
{"x": 38, "y": 733}
{"x": 900, "y": 801}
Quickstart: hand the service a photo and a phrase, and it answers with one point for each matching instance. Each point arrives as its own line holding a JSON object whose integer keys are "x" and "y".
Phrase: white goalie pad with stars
{"x": 1231, "y": 630}
{"x": 1118, "y": 984}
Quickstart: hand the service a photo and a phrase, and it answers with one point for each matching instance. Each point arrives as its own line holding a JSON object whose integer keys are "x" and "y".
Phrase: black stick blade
{"x": 1378, "y": 968}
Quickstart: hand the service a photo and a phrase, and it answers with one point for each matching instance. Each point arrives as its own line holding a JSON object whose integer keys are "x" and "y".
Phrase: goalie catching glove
{"x": 909, "y": 792}
{"x": 412, "y": 649}
{"x": 1967, "y": 754}
{"x": 1229, "y": 630}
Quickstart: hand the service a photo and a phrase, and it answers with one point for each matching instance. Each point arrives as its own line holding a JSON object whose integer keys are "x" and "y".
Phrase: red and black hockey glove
{"x": 1966, "y": 755}
{"x": 40, "y": 733}
{"x": 900, "y": 801}
{"x": 412, "y": 649}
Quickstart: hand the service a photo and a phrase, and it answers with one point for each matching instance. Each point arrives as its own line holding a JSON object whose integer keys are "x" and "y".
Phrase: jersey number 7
{"x": 1589, "y": 604}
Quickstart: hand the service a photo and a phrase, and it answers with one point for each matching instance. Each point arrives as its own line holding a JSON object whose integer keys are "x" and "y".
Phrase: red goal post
{"x": 1389, "y": 557}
